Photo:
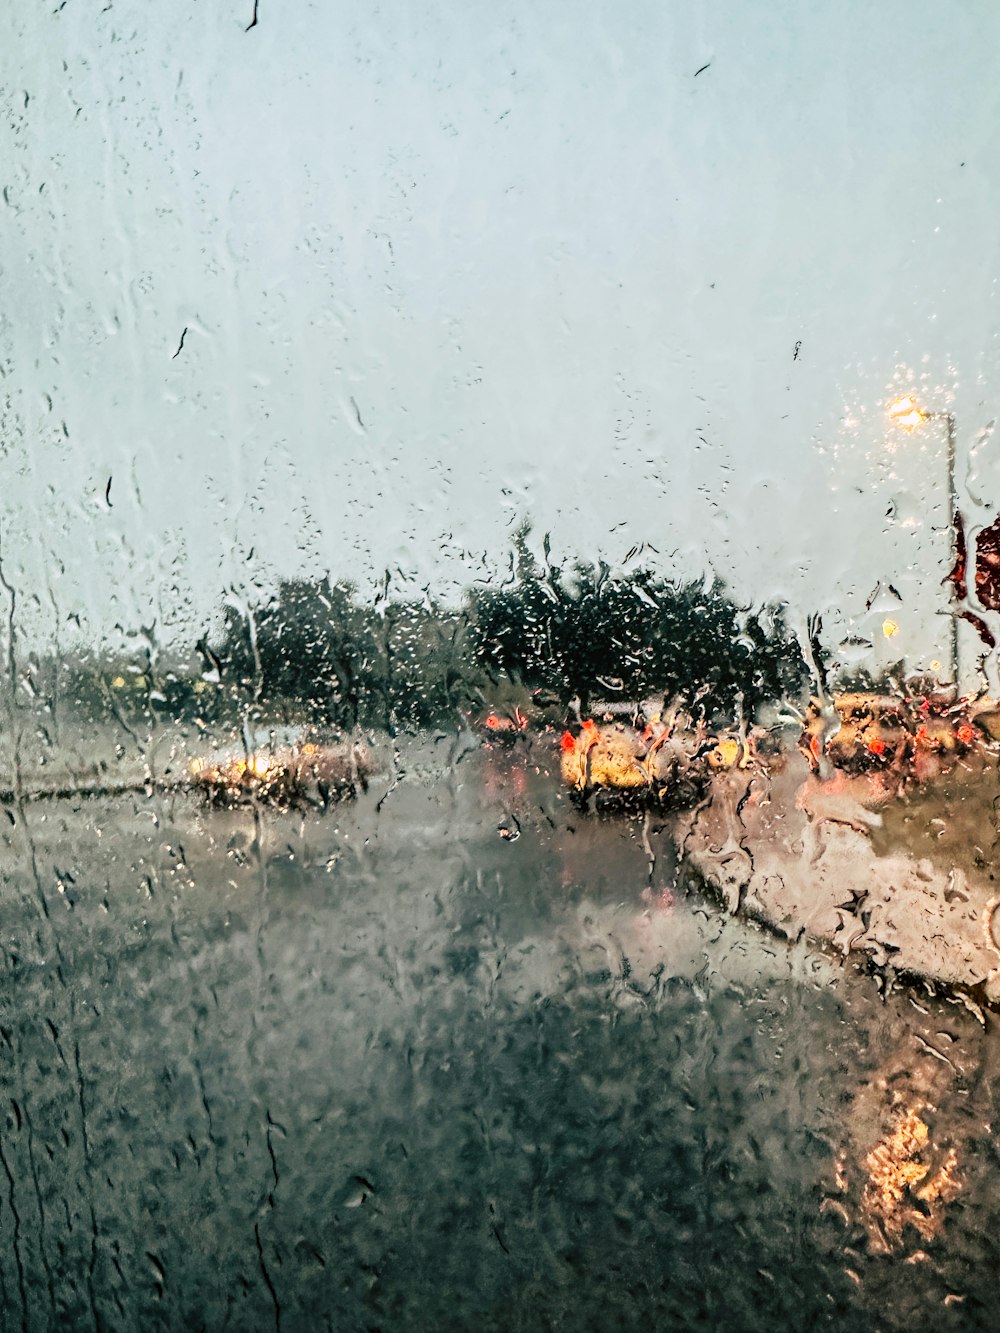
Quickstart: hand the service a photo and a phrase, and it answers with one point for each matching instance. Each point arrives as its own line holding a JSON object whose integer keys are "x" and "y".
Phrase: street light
{"x": 908, "y": 415}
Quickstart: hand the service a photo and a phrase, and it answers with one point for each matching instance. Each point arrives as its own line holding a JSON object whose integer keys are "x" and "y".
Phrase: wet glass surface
{"x": 499, "y": 690}
{"x": 386, "y": 1067}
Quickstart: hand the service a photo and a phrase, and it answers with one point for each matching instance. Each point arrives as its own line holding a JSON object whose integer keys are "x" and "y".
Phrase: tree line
{"x": 561, "y": 633}
{"x": 549, "y": 633}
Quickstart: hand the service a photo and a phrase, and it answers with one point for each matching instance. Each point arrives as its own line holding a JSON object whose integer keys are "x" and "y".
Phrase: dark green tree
{"x": 307, "y": 643}
{"x": 393, "y": 664}
{"x": 591, "y": 634}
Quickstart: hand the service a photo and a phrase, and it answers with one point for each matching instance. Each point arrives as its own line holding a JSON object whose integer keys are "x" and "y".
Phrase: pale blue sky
{"x": 444, "y": 265}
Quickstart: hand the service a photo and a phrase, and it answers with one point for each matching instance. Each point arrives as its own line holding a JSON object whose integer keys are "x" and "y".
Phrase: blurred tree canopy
{"x": 396, "y": 663}
{"x": 589, "y": 634}
{"x": 581, "y": 632}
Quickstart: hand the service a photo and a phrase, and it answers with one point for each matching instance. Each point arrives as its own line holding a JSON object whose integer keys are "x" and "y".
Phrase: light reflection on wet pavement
{"x": 467, "y": 1059}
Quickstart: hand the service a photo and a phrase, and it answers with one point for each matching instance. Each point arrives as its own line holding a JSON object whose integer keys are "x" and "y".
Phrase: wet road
{"x": 456, "y": 1056}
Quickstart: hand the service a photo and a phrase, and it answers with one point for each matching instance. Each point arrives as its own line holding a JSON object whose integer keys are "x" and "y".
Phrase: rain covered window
{"x": 499, "y": 604}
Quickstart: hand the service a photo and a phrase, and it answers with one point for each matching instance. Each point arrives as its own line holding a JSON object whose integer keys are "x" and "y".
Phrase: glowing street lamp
{"x": 905, "y": 412}
{"x": 909, "y": 416}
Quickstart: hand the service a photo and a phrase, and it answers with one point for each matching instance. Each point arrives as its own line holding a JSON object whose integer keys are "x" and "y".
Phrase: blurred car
{"x": 617, "y": 760}
{"x": 943, "y": 727}
{"x": 516, "y": 713}
{"x": 305, "y": 771}
{"x": 875, "y": 731}
{"x": 501, "y": 727}
{"x": 233, "y": 779}
{"x": 606, "y": 755}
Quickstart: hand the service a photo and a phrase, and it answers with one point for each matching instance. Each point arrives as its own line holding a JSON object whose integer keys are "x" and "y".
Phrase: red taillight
{"x": 568, "y": 741}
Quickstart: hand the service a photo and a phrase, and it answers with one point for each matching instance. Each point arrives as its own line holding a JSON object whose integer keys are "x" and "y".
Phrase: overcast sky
{"x": 643, "y": 273}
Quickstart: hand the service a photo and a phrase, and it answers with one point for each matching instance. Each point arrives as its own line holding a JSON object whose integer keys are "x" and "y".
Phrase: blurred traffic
{"x": 304, "y": 771}
{"x": 914, "y": 737}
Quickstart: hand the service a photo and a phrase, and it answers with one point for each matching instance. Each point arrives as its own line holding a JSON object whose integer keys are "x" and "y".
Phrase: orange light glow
{"x": 966, "y": 734}
{"x": 911, "y": 420}
{"x": 493, "y": 722}
{"x": 728, "y": 751}
{"x": 876, "y": 745}
{"x": 568, "y": 741}
{"x": 905, "y": 412}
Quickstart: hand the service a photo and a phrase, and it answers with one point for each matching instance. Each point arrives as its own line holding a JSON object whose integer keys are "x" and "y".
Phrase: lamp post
{"x": 909, "y": 416}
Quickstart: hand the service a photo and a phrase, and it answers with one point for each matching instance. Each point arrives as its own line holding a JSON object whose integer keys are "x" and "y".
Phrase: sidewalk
{"x": 904, "y": 882}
